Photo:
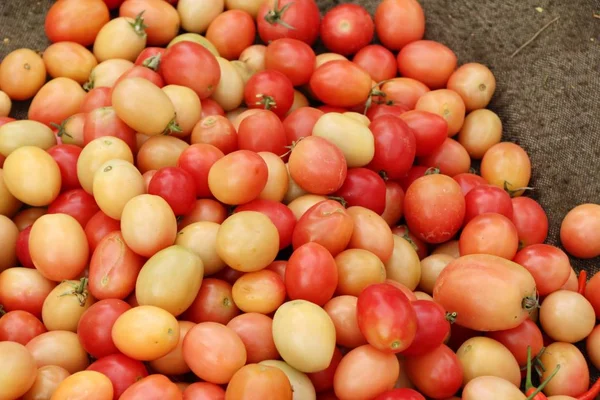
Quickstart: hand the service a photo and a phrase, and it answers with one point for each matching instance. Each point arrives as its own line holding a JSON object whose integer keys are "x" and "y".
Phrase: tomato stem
{"x": 89, "y": 85}
{"x": 451, "y": 316}
{"x": 267, "y": 101}
{"x": 340, "y": 200}
{"x": 528, "y": 383}
{"x": 61, "y": 129}
{"x": 408, "y": 239}
{"x": 582, "y": 280}
{"x": 275, "y": 16}
{"x": 152, "y": 62}
{"x": 530, "y": 303}
{"x": 138, "y": 25}
{"x": 513, "y": 192}
{"x": 172, "y": 127}
{"x": 432, "y": 171}
{"x": 79, "y": 290}
{"x": 533, "y": 395}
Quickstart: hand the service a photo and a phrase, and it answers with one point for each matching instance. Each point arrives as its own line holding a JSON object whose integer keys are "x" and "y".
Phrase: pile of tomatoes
{"x": 196, "y": 216}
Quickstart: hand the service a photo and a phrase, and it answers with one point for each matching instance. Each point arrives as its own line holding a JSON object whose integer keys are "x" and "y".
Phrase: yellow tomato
{"x": 22, "y": 74}
{"x": 278, "y": 179}
{"x": 404, "y": 265}
{"x": 107, "y": 72}
{"x": 196, "y": 16}
{"x": 96, "y": 153}
{"x": 17, "y": 370}
{"x": 61, "y": 348}
{"x": 84, "y": 385}
{"x": 302, "y": 386}
{"x": 188, "y": 108}
{"x": 65, "y": 305}
{"x": 122, "y": 38}
{"x": 201, "y": 238}
{"x": 21, "y": 133}
{"x": 47, "y": 380}
{"x": 173, "y": 363}
{"x": 69, "y": 60}
{"x": 160, "y": 151}
{"x": 230, "y": 90}
{"x": 8, "y": 237}
{"x": 115, "y": 183}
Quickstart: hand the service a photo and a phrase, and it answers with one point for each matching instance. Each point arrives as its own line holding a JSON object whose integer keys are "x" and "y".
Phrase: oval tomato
{"x": 121, "y": 370}
{"x": 296, "y": 19}
{"x": 347, "y": 28}
{"x": 77, "y": 203}
{"x": 95, "y": 327}
{"x": 436, "y": 374}
{"x": 341, "y": 83}
{"x": 433, "y": 327}
{"x": 363, "y": 187}
{"x": 395, "y": 146}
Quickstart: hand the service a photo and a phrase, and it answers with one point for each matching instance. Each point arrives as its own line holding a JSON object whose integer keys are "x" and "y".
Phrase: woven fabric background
{"x": 548, "y": 96}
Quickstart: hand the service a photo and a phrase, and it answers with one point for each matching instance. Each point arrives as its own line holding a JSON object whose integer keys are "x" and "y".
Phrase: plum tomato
{"x": 150, "y": 57}
{"x": 347, "y": 28}
{"x": 386, "y": 318}
{"x": 378, "y": 61}
{"x": 363, "y": 187}
{"x": 481, "y": 130}
{"x": 214, "y": 303}
{"x": 121, "y": 370}
{"x": 295, "y": 19}
{"x": 98, "y": 227}
{"x": 218, "y": 131}
{"x": 468, "y": 181}
{"x": 262, "y": 131}
{"x": 394, "y": 203}
{"x": 176, "y": 186}
{"x": 434, "y": 208}
{"x": 427, "y": 61}
{"x": 487, "y": 199}
{"x": 451, "y": 158}
{"x": 300, "y": 123}
{"x": 271, "y": 90}
{"x": 281, "y": 216}
{"x": 395, "y": 146}
{"x": 341, "y": 83}
{"x": 447, "y": 104}
{"x": 105, "y": 122}
{"x": 507, "y": 166}
{"x": 292, "y": 57}
{"x": 430, "y": 130}
{"x": 20, "y": 326}
{"x": 399, "y": 22}
{"x": 96, "y": 98}
{"x": 231, "y": 32}
{"x": 475, "y": 83}
{"x": 77, "y": 203}
{"x": 64, "y": 22}
{"x": 197, "y": 160}
{"x": 433, "y": 326}
{"x": 95, "y": 327}
{"x": 414, "y": 173}
{"x": 579, "y": 233}
{"x": 437, "y": 374}
{"x": 516, "y": 340}
{"x": 530, "y": 219}
{"x": 490, "y": 233}
{"x": 66, "y": 156}
{"x": 549, "y": 266}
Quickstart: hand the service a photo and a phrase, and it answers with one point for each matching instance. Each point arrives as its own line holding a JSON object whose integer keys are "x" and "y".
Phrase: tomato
{"x": 214, "y": 352}
{"x": 106, "y": 73}
{"x": 434, "y": 208}
{"x": 24, "y": 289}
{"x": 64, "y": 306}
{"x": 131, "y": 39}
{"x": 347, "y": 28}
{"x": 26, "y": 217}
{"x": 211, "y": 107}
{"x": 363, "y": 187}
{"x": 96, "y": 98}
{"x": 218, "y": 131}
{"x": 490, "y": 233}
{"x": 437, "y": 373}
{"x": 47, "y": 380}
{"x": 386, "y": 318}
{"x": 229, "y": 93}
{"x": 475, "y": 353}
{"x": 481, "y": 130}
{"x": 77, "y": 203}
{"x": 140, "y": 72}
{"x": 9, "y": 234}
{"x": 197, "y": 160}
{"x": 117, "y": 173}
{"x": 153, "y": 385}
{"x": 487, "y": 199}
{"x": 95, "y": 326}
{"x": 404, "y": 91}
{"x": 447, "y": 104}
{"x": 60, "y": 348}
{"x": 323, "y": 380}
{"x": 430, "y": 130}
{"x": 427, "y": 61}
{"x": 326, "y": 223}
{"x": 399, "y": 22}
{"x": 161, "y": 20}
{"x": 365, "y": 372}
{"x": 304, "y": 335}
{"x": 22, "y": 248}
{"x": 71, "y": 130}
{"x": 173, "y": 363}
{"x": 378, "y": 61}
{"x": 518, "y": 339}
{"x": 578, "y": 232}
{"x": 69, "y": 60}
{"x": 98, "y": 227}
{"x": 259, "y": 291}
{"x": 85, "y": 381}
{"x": 64, "y": 22}
{"x": 512, "y": 298}
{"x": 150, "y": 57}
{"x": 196, "y": 17}
{"x": 400, "y": 394}
{"x": 214, "y": 303}
{"x": 262, "y": 381}
{"x": 341, "y": 83}
{"x": 395, "y": 146}
{"x": 271, "y": 90}
{"x": 416, "y": 172}
{"x": 357, "y": 269}
{"x": 367, "y": 227}
{"x": 18, "y": 370}
{"x": 549, "y": 266}
{"x": 296, "y": 19}
{"x": 231, "y": 32}
{"x": 376, "y": 110}
{"x": 281, "y": 216}
{"x": 567, "y": 316}
{"x": 342, "y": 311}
{"x": 394, "y": 199}
{"x": 531, "y": 221}
{"x": 176, "y": 186}
{"x": 121, "y": 370}
{"x": 204, "y": 391}
{"x": 17, "y": 134}
{"x": 262, "y": 131}
{"x": 20, "y": 326}
{"x": 475, "y": 83}
{"x": 433, "y": 327}
{"x": 592, "y": 347}
{"x": 174, "y": 68}
{"x": 66, "y": 156}
{"x": 507, "y": 166}
{"x": 431, "y": 267}
{"x": 22, "y": 74}
{"x": 255, "y": 330}
{"x": 573, "y": 378}
{"x": 468, "y": 181}
{"x": 292, "y": 57}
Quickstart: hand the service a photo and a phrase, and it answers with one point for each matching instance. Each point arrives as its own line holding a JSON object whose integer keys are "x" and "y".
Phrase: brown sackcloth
{"x": 548, "y": 96}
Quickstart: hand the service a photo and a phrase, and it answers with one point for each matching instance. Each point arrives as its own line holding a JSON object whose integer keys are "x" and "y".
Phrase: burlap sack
{"x": 548, "y": 96}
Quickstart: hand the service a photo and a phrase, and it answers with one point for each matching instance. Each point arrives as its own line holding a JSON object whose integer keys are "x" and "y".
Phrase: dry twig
{"x": 527, "y": 43}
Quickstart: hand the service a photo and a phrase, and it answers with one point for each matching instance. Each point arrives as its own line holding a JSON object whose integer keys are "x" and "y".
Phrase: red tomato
{"x": 394, "y": 203}
{"x": 433, "y": 327}
{"x": 468, "y": 181}
{"x": 386, "y": 318}
{"x": 96, "y": 98}
{"x": 77, "y": 203}
{"x": 214, "y": 303}
{"x": 427, "y": 61}
{"x": 262, "y": 131}
{"x": 300, "y": 123}
{"x": 191, "y": 64}
{"x": 415, "y": 173}
{"x": 66, "y": 156}
{"x": 430, "y": 130}
{"x": 121, "y": 370}
{"x": 98, "y": 227}
{"x": 296, "y": 19}
{"x": 419, "y": 245}
{"x": 365, "y": 188}
{"x": 378, "y": 110}
{"x": 549, "y": 266}
{"x": 434, "y": 208}
{"x": 113, "y": 4}
{"x": 150, "y": 57}
{"x": 323, "y": 380}
{"x": 530, "y": 219}
{"x": 400, "y": 394}
{"x": 311, "y": 274}
{"x": 341, "y": 83}
{"x": 20, "y": 326}
{"x": 197, "y": 160}
{"x": 204, "y": 391}
{"x": 451, "y": 158}
{"x": 490, "y": 234}
{"x": 211, "y": 107}
{"x": 487, "y": 199}
{"x": 176, "y": 186}
{"x": 24, "y": 289}
{"x": 22, "y": 248}
{"x": 378, "y": 61}
{"x": 154, "y": 386}
{"x": 231, "y": 32}
{"x": 65, "y": 22}
{"x": 518, "y": 339}
{"x": 395, "y": 146}
{"x": 436, "y": 374}
{"x": 347, "y": 28}
{"x": 293, "y": 58}
{"x": 399, "y": 22}
{"x": 270, "y": 90}
{"x": 95, "y": 327}
{"x": 327, "y": 109}
{"x": 282, "y": 217}
{"x": 218, "y": 131}
{"x": 105, "y": 122}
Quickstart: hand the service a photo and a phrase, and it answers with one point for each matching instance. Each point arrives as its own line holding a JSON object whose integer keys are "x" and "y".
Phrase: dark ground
{"x": 548, "y": 96}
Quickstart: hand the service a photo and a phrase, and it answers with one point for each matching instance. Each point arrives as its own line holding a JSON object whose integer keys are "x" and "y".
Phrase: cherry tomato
{"x": 161, "y": 20}
{"x": 579, "y": 231}
{"x": 63, "y": 91}
{"x": 20, "y": 326}
{"x": 22, "y": 74}
{"x": 404, "y": 91}
{"x": 490, "y": 233}
{"x": 292, "y": 57}
{"x": 363, "y": 187}
{"x": 196, "y": 160}
{"x": 64, "y": 22}
{"x": 487, "y": 199}
{"x": 427, "y": 61}
{"x": 415, "y": 173}
{"x": 214, "y": 303}
{"x": 256, "y": 332}
{"x": 549, "y": 266}
{"x": 300, "y": 123}
{"x": 433, "y": 327}
{"x": 507, "y": 166}
{"x": 271, "y": 90}
{"x": 518, "y": 339}
{"x": 95, "y": 326}
{"x": 96, "y": 98}
{"x": 378, "y": 61}
{"x": 436, "y": 374}
{"x": 259, "y": 291}
{"x": 105, "y": 122}
{"x": 281, "y": 216}
{"x": 430, "y": 130}
{"x": 475, "y": 83}
{"x": 399, "y": 22}
{"x": 530, "y": 219}
{"x": 24, "y": 289}
{"x": 176, "y": 186}
{"x": 395, "y": 146}
{"x": 295, "y": 19}
{"x": 121, "y": 370}
{"x": 205, "y": 210}
{"x": 378, "y": 110}
{"x": 231, "y": 32}
{"x": 262, "y": 131}
{"x": 347, "y": 28}
{"x": 217, "y": 131}
{"x": 394, "y": 203}
{"x": 211, "y": 107}
{"x": 341, "y": 83}
{"x": 468, "y": 181}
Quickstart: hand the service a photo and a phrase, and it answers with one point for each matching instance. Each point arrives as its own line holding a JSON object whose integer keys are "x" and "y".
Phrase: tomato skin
{"x": 399, "y": 22}
{"x": 311, "y": 274}
{"x": 121, "y": 370}
{"x": 231, "y": 32}
{"x": 262, "y": 131}
{"x": 487, "y": 199}
{"x": 95, "y": 326}
{"x": 400, "y": 394}
{"x": 451, "y": 158}
{"x": 197, "y": 160}
{"x": 77, "y": 203}
{"x": 20, "y": 326}
{"x": 430, "y": 130}
{"x": 394, "y": 203}
{"x": 292, "y": 57}
{"x": 175, "y": 68}
{"x": 432, "y": 328}
{"x": 347, "y": 28}
{"x": 579, "y": 232}
{"x": 363, "y": 187}
{"x": 98, "y": 227}
{"x": 395, "y": 146}
{"x": 214, "y": 303}
{"x": 341, "y": 83}
{"x": 281, "y": 216}
{"x": 436, "y": 374}
{"x": 549, "y": 266}
{"x": 105, "y": 122}
{"x": 468, "y": 181}
{"x": 300, "y": 123}
{"x": 326, "y": 223}
{"x": 385, "y": 317}
{"x": 518, "y": 339}
{"x": 530, "y": 219}
{"x": 427, "y": 61}
{"x": 271, "y": 90}
{"x": 66, "y": 156}
{"x": 22, "y": 248}
{"x": 216, "y": 130}
{"x": 378, "y": 61}
{"x": 24, "y": 289}
{"x": 211, "y": 107}
{"x": 302, "y": 15}
{"x": 434, "y": 208}
{"x": 64, "y": 22}
{"x": 176, "y": 186}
